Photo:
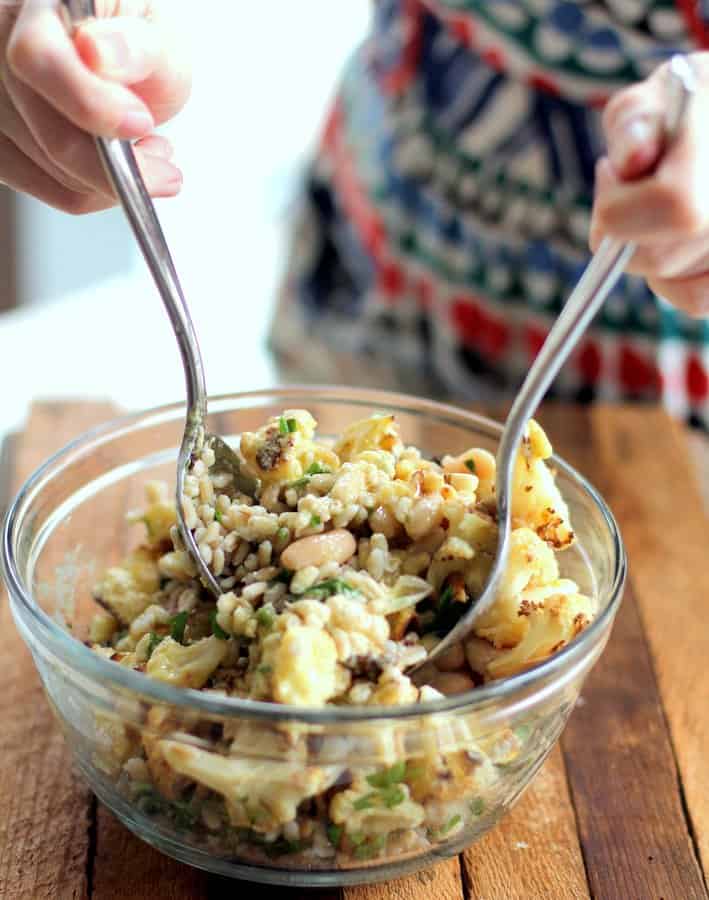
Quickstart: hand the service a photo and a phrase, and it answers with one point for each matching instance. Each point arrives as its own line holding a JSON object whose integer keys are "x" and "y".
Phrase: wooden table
{"x": 621, "y": 808}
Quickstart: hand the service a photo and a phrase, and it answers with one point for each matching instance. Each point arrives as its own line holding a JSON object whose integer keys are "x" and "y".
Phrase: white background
{"x": 91, "y": 323}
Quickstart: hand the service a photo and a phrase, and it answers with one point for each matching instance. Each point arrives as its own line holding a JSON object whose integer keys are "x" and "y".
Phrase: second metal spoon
{"x": 596, "y": 283}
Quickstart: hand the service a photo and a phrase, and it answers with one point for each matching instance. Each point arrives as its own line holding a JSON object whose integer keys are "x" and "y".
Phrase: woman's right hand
{"x": 119, "y": 75}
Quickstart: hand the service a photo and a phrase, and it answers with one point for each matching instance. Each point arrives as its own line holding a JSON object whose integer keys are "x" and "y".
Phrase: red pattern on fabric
{"x": 399, "y": 78}
{"x": 478, "y": 329}
{"x": 590, "y": 362}
{"x": 464, "y": 29}
{"x": 390, "y": 280}
{"x": 423, "y": 289}
{"x": 495, "y": 57}
{"x": 691, "y": 11}
{"x": 366, "y": 221}
{"x": 637, "y": 374}
{"x": 544, "y": 83}
{"x": 697, "y": 380}
{"x": 534, "y": 338}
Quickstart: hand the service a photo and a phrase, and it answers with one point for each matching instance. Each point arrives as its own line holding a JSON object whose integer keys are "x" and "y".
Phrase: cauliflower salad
{"x": 353, "y": 559}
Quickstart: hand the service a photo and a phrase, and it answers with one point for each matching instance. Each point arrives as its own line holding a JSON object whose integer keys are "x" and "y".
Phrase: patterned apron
{"x": 445, "y": 217}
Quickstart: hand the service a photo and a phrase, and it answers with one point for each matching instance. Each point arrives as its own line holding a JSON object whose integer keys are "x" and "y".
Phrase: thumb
{"x": 144, "y": 54}
{"x": 121, "y": 49}
{"x": 634, "y": 125}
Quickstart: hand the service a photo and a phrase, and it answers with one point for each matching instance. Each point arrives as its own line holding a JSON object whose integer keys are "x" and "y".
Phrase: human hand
{"x": 663, "y": 208}
{"x": 119, "y": 75}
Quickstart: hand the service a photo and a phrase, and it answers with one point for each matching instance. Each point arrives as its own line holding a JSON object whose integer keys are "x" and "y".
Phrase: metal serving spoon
{"x": 586, "y": 299}
{"x": 122, "y": 169}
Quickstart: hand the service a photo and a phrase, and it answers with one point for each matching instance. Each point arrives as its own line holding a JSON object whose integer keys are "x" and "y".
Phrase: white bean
{"x": 317, "y": 549}
{"x": 451, "y": 660}
{"x": 452, "y": 683}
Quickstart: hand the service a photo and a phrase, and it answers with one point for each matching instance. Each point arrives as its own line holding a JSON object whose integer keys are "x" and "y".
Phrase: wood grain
{"x": 624, "y": 771}
{"x": 442, "y": 882}
{"x": 37, "y": 787}
{"x": 649, "y": 480}
{"x": 533, "y": 853}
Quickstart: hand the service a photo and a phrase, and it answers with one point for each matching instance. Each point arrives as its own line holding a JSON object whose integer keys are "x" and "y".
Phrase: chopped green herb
{"x": 317, "y": 468}
{"x": 148, "y": 800}
{"x": 413, "y": 773}
{"x": 282, "y": 425}
{"x": 282, "y": 847}
{"x": 357, "y": 838}
{"x": 264, "y": 670}
{"x": 183, "y": 814}
{"x": 332, "y": 586}
{"x": 470, "y": 465}
{"x": 388, "y": 777}
{"x": 152, "y": 644}
{"x": 522, "y": 732}
{"x": 477, "y": 806}
{"x": 374, "y": 845}
{"x": 366, "y": 802}
{"x": 315, "y": 521}
{"x": 283, "y": 577}
{"x": 451, "y": 823}
{"x": 217, "y": 629}
{"x": 392, "y": 796}
{"x": 292, "y": 425}
{"x": 282, "y": 534}
{"x": 177, "y": 626}
{"x": 265, "y": 617}
{"x": 448, "y": 612}
{"x": 300, "y": 482}
{"x": 218, "y": 515}
{"x": 334, "y": 833}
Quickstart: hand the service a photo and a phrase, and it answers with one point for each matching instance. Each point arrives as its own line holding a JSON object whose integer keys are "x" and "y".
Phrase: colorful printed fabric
{"x": 446, "y": 214}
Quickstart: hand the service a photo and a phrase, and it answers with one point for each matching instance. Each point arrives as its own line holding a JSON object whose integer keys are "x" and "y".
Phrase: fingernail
{"x": 634, "y": 144}
{"x": 135, "y": 124}
{"x": 112, "y": 54}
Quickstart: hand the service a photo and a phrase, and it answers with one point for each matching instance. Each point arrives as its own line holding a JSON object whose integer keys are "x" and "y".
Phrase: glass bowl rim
{"x": 81, "y": 658}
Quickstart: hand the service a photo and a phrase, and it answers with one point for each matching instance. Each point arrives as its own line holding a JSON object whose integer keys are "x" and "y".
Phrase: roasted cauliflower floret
{"x": 126, "y": 590}
{"x": 302, "y": 665}
{"x": 189, "y": 666}
{"x": 531, "y": 564}
{"x": 549, "y": 628}
{"x": 536, "y": 500}
{"x": 159, "y": 515}
{"x": 260, "y": 794}
{"x": 284, "y": 451}
{"x": 374, "y": 433}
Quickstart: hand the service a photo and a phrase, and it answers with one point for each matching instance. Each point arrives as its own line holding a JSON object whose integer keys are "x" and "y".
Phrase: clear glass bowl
{"x": 66, "y": 526}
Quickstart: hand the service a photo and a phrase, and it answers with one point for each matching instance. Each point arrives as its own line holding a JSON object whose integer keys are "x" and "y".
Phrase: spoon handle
{"x": 122, "y": 169}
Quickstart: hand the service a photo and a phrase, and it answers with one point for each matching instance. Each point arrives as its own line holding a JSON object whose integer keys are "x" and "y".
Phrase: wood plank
{"x": 442, "y": 882}
{"x": 37, "y": 787}
{"x": 623, "y": 778}
{"x": 617, "y": 749}
{"x": 648, "y": 479}
{"x": 124, "y": 866}
{"x": 533, "y": 853}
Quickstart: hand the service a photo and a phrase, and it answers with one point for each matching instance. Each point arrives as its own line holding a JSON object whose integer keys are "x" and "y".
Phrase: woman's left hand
{"x": 663, "y": 208}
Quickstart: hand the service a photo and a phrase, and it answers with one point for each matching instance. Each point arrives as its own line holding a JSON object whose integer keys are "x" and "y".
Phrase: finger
{"x": 143, "y": 53}
{"x": 14, "y": 128}
{"x": 632, "y": 121}
{"x": 41, "y": 54}
{"x": 22, "y": 174}
{"x": 688, "y": 294}
{"x": 155, "y": 145}
{"x": 675, "y": 199}
{"x": 671, "y": 259}
{"x": 126, "y": 50}
{"x": 74, "y": 151}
